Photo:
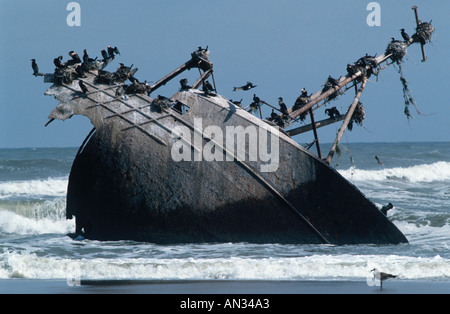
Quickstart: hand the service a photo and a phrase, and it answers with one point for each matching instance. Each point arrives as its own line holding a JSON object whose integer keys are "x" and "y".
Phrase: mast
{"x": 360, "y": 71}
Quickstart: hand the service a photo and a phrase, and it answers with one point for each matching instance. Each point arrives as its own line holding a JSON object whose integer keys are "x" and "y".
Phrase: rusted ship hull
{"x": 124, "y": 184}
{"x": 143, "y": 175}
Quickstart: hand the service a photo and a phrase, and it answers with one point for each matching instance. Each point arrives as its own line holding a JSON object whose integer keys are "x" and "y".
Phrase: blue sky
{"x": 282, "y": 46}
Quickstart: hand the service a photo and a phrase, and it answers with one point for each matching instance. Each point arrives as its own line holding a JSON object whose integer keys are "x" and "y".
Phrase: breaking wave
{"x": 436, "y": 172}
{"x": 34, "y": 218}
{"x": 51, "y": 187}
{"x": 315, "y": 267}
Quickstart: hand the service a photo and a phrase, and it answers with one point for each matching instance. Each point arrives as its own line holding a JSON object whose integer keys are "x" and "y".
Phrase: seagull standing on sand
{"x": 380, "y": 276}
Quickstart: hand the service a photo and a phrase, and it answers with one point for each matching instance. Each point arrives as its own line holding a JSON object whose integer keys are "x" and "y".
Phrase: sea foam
{"x": 35, "y": 218}
{"x": 315, "y": 267}
{"x": 439, "y": 171}
{"x": 51, "y": 187}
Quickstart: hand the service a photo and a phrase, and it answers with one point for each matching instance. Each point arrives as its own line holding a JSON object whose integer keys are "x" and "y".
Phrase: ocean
{"x": 414, "y": 177}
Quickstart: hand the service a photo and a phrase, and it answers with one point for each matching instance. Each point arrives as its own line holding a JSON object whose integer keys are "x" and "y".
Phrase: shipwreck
{"x": 142, "y": 173}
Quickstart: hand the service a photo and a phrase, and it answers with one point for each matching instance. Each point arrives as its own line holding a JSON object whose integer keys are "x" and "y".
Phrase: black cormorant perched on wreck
{"x": 332, "y": 112}
{"x": 86, "y": 58}
{"x": 283, "y": 107}
{"x": 404, "y": 35}
{"x": 83, "y": 87}
{"x": 35, "y": 67}
{"x": 207, "y": 88}
{"x": 58, "y": 63}
{"x": 75, "y": 57}
{"x": 386, "y": 208}
{"x": 104, "y": 54}
{"x": 80, "y": 71}
{"x": 110, "y": 52}
{"x": 184, "y": 84}
{"x": 247, "y": 86}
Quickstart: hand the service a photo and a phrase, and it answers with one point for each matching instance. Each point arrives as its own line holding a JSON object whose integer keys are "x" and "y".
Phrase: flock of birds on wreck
{"x": 80, "y": 66}
{"x": 83, "y": 65}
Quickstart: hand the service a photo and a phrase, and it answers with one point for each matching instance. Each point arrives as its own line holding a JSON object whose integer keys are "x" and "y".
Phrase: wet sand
{"x": 222, "y": 287}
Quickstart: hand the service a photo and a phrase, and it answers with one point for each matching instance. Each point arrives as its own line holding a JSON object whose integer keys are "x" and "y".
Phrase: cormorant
{"x": 116, "y": 51}
{"x": 334, "y": 81}
{"x": 404, "y": 35}
{"x": 104, "y": 54}
{"x": 379, "y": 161}
{"x": 85, "y": 56}
{"x": 82, "y": 86}
{"x": 184, "y": 84}
{"x": 58, "y": 63}
{"x": 35, "y": 67}
{"x": 304, "y": 92}
{"x": 207, "y": 88}
{"x": 237, "y": 103}
{"x": 110, "y": 52}
{"x": 386, "y": 208}
{"x": 75, "y": 57}
{"x": 283, "y": 107}
{"x": 351, "y": 69}
{"x": 380, "y": 276}
{"x": 124, "y": 67}
{"x": 247, "y": 86}
{"x": 332, "y": 112}
{"x": 79, "y": 70}
{"x": 273, "y": 116}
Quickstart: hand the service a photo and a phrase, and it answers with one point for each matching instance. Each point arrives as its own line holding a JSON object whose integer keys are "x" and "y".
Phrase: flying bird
{"x": 378, "y": 160}
{"x": 247, "y": 86}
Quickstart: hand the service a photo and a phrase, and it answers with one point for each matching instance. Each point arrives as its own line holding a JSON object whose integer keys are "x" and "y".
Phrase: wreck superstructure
{"x": 126, "y": 184}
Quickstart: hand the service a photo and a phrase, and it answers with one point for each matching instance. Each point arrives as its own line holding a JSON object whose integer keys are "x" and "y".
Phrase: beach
{"x": 222, "y": 287}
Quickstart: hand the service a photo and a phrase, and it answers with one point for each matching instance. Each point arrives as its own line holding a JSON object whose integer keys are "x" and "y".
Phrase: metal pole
{"x": 348, "y": 117}
{"x": 318, "y": 124}
{"x": 313, "y": 123}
